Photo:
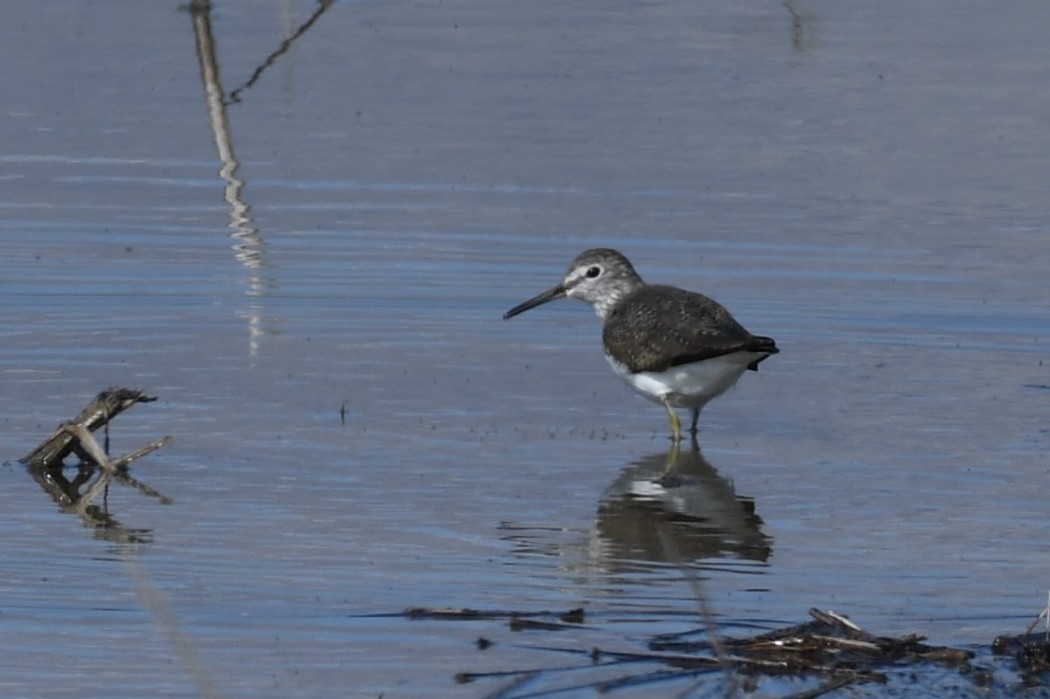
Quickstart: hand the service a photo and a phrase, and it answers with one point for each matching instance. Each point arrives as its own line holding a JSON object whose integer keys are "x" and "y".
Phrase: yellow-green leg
{"x": 676, "y": 424}
{"x": 672, "y": 461}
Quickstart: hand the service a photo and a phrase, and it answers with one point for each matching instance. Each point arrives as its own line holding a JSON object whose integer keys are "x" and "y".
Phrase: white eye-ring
{"x": 594, "y": 271}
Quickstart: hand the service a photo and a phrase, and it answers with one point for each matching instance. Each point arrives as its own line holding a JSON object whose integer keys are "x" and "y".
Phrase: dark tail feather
{"x": 761, "y": 344}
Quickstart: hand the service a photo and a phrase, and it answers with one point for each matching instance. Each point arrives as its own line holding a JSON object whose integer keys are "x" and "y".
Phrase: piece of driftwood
{"x": 75, "y": 436}
{"x": 77, "y": 493}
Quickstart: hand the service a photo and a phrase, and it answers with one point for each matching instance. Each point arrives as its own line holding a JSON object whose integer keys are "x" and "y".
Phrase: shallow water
{"x": 865, "y": 185}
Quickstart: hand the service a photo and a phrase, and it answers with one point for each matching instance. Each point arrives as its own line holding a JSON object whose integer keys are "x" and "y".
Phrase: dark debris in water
{"x": 1031, "y": 654}
{"x": 81, "y": 488}
{"x": 830, "y": 640}
{"x": 812, "y": 659}
{"x": 547, "y": 621}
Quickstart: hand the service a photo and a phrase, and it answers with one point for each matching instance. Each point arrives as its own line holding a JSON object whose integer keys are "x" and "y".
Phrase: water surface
{"x": 312, "y": 281}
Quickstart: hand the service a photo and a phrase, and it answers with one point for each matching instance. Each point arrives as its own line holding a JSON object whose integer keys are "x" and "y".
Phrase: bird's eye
{"x": 594, "y": 271}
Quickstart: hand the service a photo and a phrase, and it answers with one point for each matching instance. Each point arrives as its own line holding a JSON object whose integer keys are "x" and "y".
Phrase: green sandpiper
{"x": 676, "y": 347}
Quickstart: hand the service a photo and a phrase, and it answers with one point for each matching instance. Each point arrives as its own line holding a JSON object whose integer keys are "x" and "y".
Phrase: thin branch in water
{"x": 123, "y": 462}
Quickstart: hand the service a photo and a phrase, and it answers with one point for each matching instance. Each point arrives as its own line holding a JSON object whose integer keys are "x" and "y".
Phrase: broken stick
{"x": 75, "y": 436}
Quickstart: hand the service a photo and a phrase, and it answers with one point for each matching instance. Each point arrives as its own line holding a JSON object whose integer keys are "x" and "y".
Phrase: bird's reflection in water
{"x": 675, "y": 508}
{"x": 667, "y": 508}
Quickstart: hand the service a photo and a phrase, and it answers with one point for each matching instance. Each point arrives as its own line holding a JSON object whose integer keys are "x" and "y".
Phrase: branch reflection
{"x": 85, "y": 495}
{"x": 322, "y": 7}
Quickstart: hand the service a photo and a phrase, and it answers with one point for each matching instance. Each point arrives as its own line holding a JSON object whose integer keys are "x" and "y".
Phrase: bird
{"x": 678, "y": 348}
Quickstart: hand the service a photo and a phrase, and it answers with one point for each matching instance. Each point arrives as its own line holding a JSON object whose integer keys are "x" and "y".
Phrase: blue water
{"x": 358, "y": 432}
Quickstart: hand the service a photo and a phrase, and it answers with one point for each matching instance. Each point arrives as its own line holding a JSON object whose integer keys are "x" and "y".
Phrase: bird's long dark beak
{"x": 557, "y": 292}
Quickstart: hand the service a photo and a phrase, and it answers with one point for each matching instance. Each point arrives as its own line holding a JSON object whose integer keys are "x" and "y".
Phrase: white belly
{"x": 688, "y": 385}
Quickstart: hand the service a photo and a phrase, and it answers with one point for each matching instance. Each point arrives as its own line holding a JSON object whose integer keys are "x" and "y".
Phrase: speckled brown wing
{"x": 657, "y": 327}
